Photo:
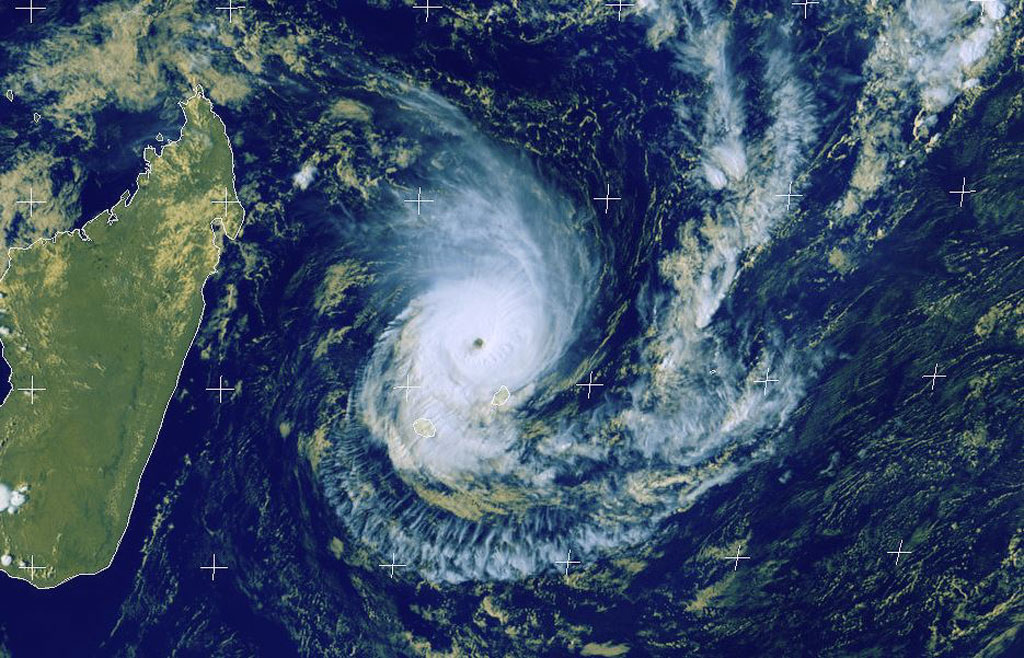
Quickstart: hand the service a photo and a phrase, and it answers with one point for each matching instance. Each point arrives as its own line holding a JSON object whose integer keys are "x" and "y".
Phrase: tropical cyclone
{"x": 98, "y": 321}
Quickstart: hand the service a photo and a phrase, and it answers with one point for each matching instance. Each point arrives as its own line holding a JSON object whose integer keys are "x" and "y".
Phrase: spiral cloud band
{"x": 502, "y": 289}
{"x": 462, "y": 453}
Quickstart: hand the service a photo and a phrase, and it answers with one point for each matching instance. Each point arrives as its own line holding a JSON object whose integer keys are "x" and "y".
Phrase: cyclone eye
{"x": 478, "y": 343}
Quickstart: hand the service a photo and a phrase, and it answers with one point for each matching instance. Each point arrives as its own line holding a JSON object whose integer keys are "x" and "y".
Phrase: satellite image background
{"x": 698, "y": 281}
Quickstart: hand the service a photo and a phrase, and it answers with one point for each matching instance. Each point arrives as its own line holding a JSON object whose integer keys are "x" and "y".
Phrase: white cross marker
{"x": 220, "y": 388}
{"x": 963, "y": 191}
{"x": 31, "y": 568}
{"x": 935, "y": 375}
{"x": 30, "y": 202}
{"x": 419, "y": 200}
{"x": 225, "y": 201}
{"x": 213, "y": 567}
{"x": 607, "y": 198}
{"x": 790, "y": 196}
{"x": 805, "y": 4}
{"x": 393, "y": 565}
{"x": 898, "y": 552}
{"x": 231, "y": 9}
{"x": 736, "y": 558}
{"x": 32, "y": 8}
{"x": 31, "y": 390}
{"x": 766, "y": 380}
{"x": 567, "y": 561}
{"x": 620, "y": 5}
{"x": 589, "y": 385}
{"x": 426, "y": 18}
{"x": 407, "y": 386}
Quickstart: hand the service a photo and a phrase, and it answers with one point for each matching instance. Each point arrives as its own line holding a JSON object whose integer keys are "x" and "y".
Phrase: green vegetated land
{"x": 102, "y": 318}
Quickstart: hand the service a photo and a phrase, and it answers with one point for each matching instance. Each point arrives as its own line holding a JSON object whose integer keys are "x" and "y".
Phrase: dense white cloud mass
{"x": 479, "y": 472}
{"x": 501, "y": 284}
{"x": 12, "y": 498}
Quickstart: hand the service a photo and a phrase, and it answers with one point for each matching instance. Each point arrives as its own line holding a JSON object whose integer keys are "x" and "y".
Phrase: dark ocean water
{"x": 276, "y": 545}
{"x": 117, "y": 150}
{"x": 227, "y": 479}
